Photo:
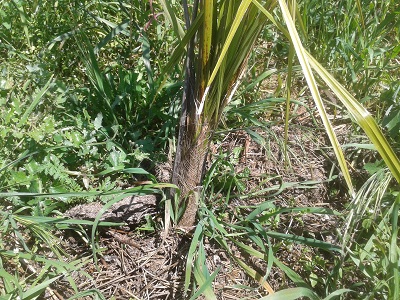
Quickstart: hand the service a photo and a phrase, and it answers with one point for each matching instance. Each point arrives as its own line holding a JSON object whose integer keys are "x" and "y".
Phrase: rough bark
{"x": 189, "y": 167}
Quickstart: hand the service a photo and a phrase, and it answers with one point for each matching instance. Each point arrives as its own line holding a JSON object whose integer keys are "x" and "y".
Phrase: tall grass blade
{"x": 303, "y": 59}
{"x": 192, "y": 251}
{"x": 122, "y": 169}
{"x": 232, "y": 31}
{"x": 257, "y": 81}
{"x": 206, "y": 37}
{"x": 8, "y": 281}
{"x": 207, "y": 283}
{"x": 139, "y": 190}
{"x": 292, "y": 293}
{"x": 288, "y": 101}
{"x": 91, "y": 292}
{"x": 311, "y": 210}
{"x": 24, "y": 19}
{"x": 362, "y": 117}
{"x": 39, "y": 95}
{"x": 111, "y": 25}
{"x": 337, "y": 293}
{"x": 147, "y": 62}
{"x": 270, "y": 17}
{"x": 60, "y": 265}
{"x": 172, "y": 18}
{"x": 22, "y": 156}
{"x": 181, "y": 47}
{"x": 62, "y": 221}
{"x": 360, "y": 13}
{"x": 255, "y": 275}
{"x": 306, "y": 241}
{"x": 36, "y": 291}
{"x": 111, "y": 35}
{"x": 203, "y": 278}
{"x": 61, "y": 38}
{"x": 394, "y": 291}
{"x": 296, "y": 278}
{"x": 97, "y": 222}
{"x": 100, "y": 83}
{"x": 288, "y": 89}
{"x": 369, "y": 195}
{"x": 250, "y": 271}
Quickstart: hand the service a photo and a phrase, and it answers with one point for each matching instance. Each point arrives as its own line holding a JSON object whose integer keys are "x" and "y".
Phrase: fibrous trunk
{"x": 189, "y": 166}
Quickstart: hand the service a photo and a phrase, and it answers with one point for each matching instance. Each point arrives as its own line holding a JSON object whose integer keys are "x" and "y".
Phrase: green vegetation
{"x": 91, "y": 94}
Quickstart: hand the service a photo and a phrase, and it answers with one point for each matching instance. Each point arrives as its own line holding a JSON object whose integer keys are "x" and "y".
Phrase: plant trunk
{"x": 193, "y": 140}
{"x": 212, "y": 74}
{"x": 191, "y": 154}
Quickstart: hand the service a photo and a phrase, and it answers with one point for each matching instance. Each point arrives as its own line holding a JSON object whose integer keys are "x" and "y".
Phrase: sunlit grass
{"x": 85, "y": 101}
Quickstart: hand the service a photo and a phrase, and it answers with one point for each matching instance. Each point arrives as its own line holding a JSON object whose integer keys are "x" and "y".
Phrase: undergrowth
{"x": 83, "y": 110}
